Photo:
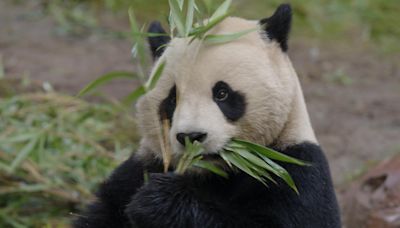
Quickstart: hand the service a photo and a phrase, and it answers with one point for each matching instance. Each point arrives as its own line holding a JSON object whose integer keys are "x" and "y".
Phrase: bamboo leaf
{"x": 138, "y": 39}
{"x": 241, "y": 164}
{"x": 25, "y": 151}
{"x": 19, "y": 138}
{"x": 270, "y": 153}
{"x": 225, "y": 158}
{"x": 221, "y": 10}
{"x": 255, "y": 163}
{"x": 281, "y": 172}
{"x": 249, "y": 156}
{"x": 133, "y": 96}
{"x": 189, "y": 16}
{"x": 200, "y": 31}
{"x": 149, "y": 34}
{"x": 103, "y": 80}
{"x": 225, "y": 38}
{"x": 155, "y": 77}
{"x": 177, "y": 17}
{"x": 211, "y": 167}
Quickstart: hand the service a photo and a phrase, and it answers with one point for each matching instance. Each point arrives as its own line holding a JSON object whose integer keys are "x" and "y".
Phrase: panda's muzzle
{"x": 193, "y": 136}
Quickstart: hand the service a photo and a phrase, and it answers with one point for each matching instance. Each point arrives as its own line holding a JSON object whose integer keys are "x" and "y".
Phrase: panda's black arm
{"x": 170, "y": 200}
{"x": 113, "y": 196}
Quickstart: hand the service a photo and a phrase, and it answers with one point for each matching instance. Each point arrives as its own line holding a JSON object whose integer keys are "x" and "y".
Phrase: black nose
{"x": 193, "y": 136}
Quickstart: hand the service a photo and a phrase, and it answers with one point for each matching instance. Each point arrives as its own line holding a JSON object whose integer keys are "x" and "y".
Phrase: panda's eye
{"x": 222, "y": 95}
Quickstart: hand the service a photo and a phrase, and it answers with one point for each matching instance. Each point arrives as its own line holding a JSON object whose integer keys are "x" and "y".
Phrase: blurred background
{"x": 55, "y": 148}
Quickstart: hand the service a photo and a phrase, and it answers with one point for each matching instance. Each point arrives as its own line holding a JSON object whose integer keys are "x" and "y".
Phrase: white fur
{"x": 275, "y": 112}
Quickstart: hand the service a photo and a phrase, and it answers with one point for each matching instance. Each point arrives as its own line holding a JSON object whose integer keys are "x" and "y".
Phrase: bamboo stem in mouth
{"x": 165, "y": 143}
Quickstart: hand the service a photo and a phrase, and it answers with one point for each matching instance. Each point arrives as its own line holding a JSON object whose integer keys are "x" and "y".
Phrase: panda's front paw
{"x": 161, "y": 201}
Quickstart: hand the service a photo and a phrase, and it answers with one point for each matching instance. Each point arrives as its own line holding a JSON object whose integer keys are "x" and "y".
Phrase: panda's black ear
{"x": 157, "y": 43}
{"x": 278, "y": 25}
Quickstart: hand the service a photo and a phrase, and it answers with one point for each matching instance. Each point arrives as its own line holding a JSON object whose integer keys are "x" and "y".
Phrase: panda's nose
{"x": 193, "y": 136}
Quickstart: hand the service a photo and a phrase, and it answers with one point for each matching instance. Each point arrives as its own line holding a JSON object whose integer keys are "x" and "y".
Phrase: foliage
{"x": 256, "y": 160}
{"x": 54, "y": 150}
{"x": 368, "y": 21}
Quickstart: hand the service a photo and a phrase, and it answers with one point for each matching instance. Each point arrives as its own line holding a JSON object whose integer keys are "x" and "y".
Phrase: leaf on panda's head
{"x": 187, "y": 19}
{"x": 225, "y": 38}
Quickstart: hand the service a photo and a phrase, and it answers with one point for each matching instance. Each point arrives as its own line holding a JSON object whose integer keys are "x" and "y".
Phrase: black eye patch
{"x": 168, "y": 105}
{"x": 232, "y": 103}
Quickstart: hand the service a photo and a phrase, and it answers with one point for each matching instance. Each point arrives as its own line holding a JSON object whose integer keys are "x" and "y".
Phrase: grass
{"x": 372, "y": 22}
{"x": 54, "y": 150}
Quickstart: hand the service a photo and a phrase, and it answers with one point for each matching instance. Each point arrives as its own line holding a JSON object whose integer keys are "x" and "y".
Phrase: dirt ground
{"x": 353, "y": 94}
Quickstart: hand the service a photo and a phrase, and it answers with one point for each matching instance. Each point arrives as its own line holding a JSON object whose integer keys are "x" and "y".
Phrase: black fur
{"x": 115, "y": 193}
{"x": 168, "y": 105}
{"x": 234, "y": 106}
{"x": 278, "y": 25}
{"x": 157, "y": 43}
{"x": 209, "y": 201}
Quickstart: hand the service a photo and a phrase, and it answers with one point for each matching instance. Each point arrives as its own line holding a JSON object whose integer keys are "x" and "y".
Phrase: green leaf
{"x": 189, "y": 16}
{"x": 29, "y": 147}
{"x": 256, "y": 163}
{"x": 270, "y": 153}
{"x": 281, "y": 172}
{"x": 225, "y": 38}
{"x": 249, "y": 156}
{"x": 226, "y": 159}
{"x": 177, "y": 17}
{"x": 241, "y": 164}
{"x": 211, "y": 167}
{"x": 104, "y": 79}
{"x": 180, "y": 3}
{"x": 149, "y": 34}
{"x": 155, "y": 77}
{"x": 133, "y": 96}
{"x": 19, "y": 138}
{"x": 200, "y": 31}
{"x": 221, "y": 10}
{"x": 138, "y": 39}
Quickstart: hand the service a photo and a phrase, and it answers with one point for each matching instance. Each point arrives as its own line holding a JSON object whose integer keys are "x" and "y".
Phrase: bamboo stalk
{"x": 165, "y": 145}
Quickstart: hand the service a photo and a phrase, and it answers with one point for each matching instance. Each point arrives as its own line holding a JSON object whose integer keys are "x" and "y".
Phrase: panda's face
{"x": 212, "y": 93}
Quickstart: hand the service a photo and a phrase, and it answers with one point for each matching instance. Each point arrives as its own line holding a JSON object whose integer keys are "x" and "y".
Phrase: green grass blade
{"x": 149, "y": 34}
{"x": 270, "y": 153}
{"x": 137, "y": 38}
{"x": 103, "y": 80}
{"x": 133, "y": 96}
{"x": 189, "y": 16}
{"x": 180, "y": 3}
{"x": 221, "y": 10}
{"x": 19, "y": 138}
{"x": 211, "y": 167}
{"x": 200, "y": 31}
{"x": 177, "y": 17}
{"x": 155, "y": 77}
{"x": 29, "y": 147}
{"x": 225, "y": 38}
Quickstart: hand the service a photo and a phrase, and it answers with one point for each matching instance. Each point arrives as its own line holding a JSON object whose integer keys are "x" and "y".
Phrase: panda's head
{"x": 245, "y": 88}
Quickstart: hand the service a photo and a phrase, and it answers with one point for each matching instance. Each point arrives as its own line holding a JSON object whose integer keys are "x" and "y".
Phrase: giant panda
{"x": 247, "y": 89}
